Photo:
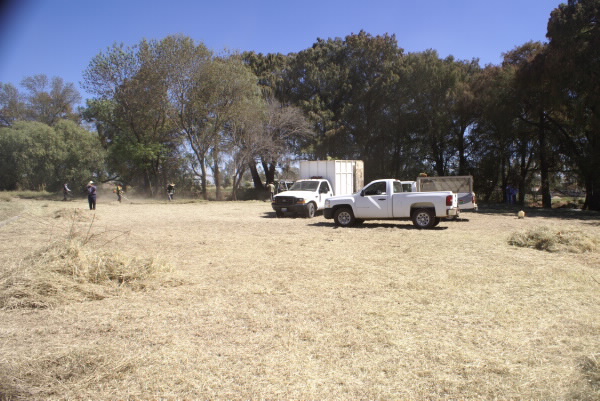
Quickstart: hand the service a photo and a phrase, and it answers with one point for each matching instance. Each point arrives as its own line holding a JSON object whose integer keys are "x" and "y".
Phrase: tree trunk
{"x": 592, "y": 196}
{"x": 203, "y": 180}
{"x": 216, "y": 174}
{"x": 546, "y": 196}
{"x": 462, "y": 159}
{"x": 504, "y": 179}
{"x": 258, "y": 184}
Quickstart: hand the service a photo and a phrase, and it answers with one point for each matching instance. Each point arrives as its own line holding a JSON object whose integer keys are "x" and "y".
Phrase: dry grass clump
{"x": 70, "y": 270}
{"x": 589, "y": 388}
{"x": 544, "y": 238}
{"x": 5, "y": 196}
{"x": 73, "y": 369}
{"x": 73, "y": 214}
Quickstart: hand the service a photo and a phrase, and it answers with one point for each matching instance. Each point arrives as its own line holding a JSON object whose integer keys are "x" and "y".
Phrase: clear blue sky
{"x": 60, "y": 37}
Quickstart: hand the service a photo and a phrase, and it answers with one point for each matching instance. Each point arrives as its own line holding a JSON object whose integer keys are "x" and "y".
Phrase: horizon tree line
{"x": 171, "y": 109}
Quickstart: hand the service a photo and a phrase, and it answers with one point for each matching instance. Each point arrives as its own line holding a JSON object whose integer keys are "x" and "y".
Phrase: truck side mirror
{"x": 362, "y": 192}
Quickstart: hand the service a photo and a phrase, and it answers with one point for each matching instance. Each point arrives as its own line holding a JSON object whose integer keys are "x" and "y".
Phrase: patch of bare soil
{"x": 294, "y": 308}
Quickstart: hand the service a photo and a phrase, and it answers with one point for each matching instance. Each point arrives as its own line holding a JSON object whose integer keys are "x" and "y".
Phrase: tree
{"x": 188, "y": 75}
{"x": 494, "y": 138}
{"x": 36, "y": 156}
{"x": 234, "y": 102}
{"x": 574, "y": 59}
{"x": 133, "y": 102}
{"x": 285, "y": 132}
{"x": 342, "y": 85}
{"x": 12, "y": 105}
{"x": 50, "y": 101}
{"x": 532, "y": 88}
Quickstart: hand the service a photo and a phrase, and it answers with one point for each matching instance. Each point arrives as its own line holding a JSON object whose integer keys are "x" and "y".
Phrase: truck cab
{"x": 304, "y": 198}
{"x": 392, "y": 199}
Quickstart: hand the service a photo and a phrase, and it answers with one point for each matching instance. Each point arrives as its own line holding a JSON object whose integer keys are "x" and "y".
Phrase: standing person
{"x": 66, "y": 191}
{"x": 509, "y": 194}
{"x": 119, "y": 192}
{"x": 271, "y": 189}
{"x": 170, "y": 191}
{"x": 91, "y": 191}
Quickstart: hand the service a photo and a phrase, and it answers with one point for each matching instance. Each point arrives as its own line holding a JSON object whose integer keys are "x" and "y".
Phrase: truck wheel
{"x": 423, "y": 218}
{"x": 344, "y": 217}
{"x": 310, "y": 210}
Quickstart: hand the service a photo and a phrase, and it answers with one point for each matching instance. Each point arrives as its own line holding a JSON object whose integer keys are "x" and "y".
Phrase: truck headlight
{"x": 300, "y": 201}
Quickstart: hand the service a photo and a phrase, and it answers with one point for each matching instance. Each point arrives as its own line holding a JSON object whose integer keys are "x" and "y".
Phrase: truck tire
{"x": 310, "y": 210}
{"x": 423, "y": 218}
{"x": 344, "y": 217}
{"x": 279, "y": 213}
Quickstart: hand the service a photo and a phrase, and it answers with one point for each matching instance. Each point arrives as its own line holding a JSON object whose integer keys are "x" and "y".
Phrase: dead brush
{"x": 544, "y": 238}
{"x": 73, "y": 269}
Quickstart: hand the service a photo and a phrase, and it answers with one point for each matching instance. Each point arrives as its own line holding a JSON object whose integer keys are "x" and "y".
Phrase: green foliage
{"x": 573, "y": 62}
{"x": 131, "y": 112}
{"x": 35, "y": 156}
{"x": 12, "y": 105}
{"x": 171, "y": 108}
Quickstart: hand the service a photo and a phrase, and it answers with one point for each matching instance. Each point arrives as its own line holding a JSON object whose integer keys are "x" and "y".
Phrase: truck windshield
{"x": 305, "y": 186}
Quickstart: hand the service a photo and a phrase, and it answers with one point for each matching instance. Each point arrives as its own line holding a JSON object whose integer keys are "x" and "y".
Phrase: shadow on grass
{"x": 370, "y": 224}
{"x": 592, "y": 217}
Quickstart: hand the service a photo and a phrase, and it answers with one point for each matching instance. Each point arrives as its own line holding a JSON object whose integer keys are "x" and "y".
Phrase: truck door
{"x": 324, "y": 193}
{"x": 374, "y": 202}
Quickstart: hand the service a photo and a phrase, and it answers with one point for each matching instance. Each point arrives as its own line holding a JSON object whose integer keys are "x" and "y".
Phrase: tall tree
{"x": 234, "y": 98}
{"x": 342, "y": 85}
{"x": 286, "y": 131}
{"x": 190, "y": 66}
{"x": 432, "y": 82}
{"x": 574, "y": 56}
{"x": 494, "y": 135}
{"x": 134, "y": 81}
{"x": 532, "y": 87}
{"x": 12, "y": 105}
{"x": 49, "y": 101}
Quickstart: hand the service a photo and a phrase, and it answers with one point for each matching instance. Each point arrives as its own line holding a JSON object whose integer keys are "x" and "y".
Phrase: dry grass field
{"x": 149, "y": 300}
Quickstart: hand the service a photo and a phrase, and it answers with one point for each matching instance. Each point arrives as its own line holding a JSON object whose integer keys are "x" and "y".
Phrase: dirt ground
{"x": 259, "y": 307}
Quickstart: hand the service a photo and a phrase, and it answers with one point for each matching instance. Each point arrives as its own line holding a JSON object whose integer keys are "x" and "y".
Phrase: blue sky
{"x": 60, "y": 37}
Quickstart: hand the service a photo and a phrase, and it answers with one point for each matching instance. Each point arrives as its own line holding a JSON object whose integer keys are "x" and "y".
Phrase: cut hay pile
{"x": 71, "y": 271}
{"x": 545, "y": 238}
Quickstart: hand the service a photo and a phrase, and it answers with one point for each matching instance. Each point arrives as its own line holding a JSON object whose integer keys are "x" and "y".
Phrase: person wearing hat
{"x": 170, "y": 191}
{"x": 91, "y": 190}
{"x": 119, "y": 191}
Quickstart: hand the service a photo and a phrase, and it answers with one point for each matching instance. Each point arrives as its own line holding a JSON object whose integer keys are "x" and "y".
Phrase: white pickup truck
{"x": 389, "y": 199}
{"x": 304, "y": 198}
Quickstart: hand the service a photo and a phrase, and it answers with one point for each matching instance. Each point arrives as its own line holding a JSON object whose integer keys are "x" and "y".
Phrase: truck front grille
{"x": 285, "y": 200}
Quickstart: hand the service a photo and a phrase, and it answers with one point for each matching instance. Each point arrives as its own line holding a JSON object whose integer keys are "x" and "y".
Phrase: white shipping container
{"x": 345, "y": 176}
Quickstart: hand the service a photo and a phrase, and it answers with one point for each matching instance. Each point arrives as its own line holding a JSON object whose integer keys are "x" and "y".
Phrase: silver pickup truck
{"x": 387, "y": 199}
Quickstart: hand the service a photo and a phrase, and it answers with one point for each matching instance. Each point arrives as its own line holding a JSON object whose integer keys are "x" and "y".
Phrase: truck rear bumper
{"x": 455, "y": 212}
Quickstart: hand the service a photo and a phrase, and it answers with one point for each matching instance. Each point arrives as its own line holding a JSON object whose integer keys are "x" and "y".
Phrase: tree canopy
{"x": 171, "y": 109}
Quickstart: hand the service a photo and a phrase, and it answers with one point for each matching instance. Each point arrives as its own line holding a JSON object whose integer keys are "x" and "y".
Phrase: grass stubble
{"x": 223, "y": 301}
